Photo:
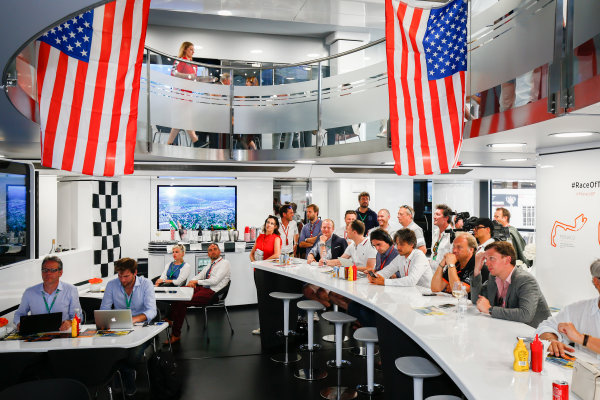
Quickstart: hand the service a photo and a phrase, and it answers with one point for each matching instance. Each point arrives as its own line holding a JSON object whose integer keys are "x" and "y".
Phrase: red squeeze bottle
{"x": 537, "y": 354}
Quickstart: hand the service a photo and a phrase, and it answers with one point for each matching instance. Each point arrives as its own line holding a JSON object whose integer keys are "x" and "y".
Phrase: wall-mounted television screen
{"x": 196, "y": 207}
{"x": 16, "y": 183}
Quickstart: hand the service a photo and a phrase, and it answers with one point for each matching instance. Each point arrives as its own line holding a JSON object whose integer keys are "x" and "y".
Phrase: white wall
{"x": 254, "y": 202}
{"x": 459, "y": 195}
{"x": 74, "y": 224}
{"x": 563, "y": 270}
{"x": 236, "y": 45}
{"x": 47, "y": 231}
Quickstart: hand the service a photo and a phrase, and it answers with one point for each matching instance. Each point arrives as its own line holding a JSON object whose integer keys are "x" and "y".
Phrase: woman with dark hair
{"x": 268, "y": 244}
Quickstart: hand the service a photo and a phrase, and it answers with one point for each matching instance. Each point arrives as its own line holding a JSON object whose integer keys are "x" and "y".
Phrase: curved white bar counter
{"x": 475, "y": 351}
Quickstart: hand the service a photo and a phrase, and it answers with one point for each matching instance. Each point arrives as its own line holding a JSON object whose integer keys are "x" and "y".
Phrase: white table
{"x": 476, "y": 351}
{"x": 138, "y": 336}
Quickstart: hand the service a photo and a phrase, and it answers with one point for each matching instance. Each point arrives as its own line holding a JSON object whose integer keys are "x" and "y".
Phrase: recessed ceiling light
{"x": 470, "y": 165}
{"x": 305, "y": 161}
{"x": 572, "y": 134}
{"x": 256, "y": 65}
{"x": 256, "y": 51}
{"x": 312, "y": 55}
{"x": 290, "y": 77}
{"x": 514, "y": 159}
{"x": 546, "y": 166}
{"x": 505, "y": 145}
{"x": 2, "y": 156}
{"x": 388, "y": 163}
{"x": 225, "y": 13}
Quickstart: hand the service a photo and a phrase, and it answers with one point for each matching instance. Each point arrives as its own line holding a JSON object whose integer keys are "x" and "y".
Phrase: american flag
{"x": 88, "y": 74}
{"x": 427, "y": 59}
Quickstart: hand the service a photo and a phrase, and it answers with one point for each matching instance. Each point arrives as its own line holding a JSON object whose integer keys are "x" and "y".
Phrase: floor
{"x": 232, "y": 366}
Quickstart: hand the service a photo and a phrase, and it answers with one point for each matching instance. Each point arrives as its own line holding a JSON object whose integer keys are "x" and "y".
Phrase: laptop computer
{"x": 113, "y": 319}
{"x": 30, "y": 324}
{"x": 345, "y": 262}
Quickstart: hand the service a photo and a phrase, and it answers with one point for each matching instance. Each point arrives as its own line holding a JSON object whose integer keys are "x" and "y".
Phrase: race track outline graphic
{"x": 580, "y": 221}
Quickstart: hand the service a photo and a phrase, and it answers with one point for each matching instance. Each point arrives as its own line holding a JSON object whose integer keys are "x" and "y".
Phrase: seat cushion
{"x": 417, "y": 367}
{"x": 285, "y": 296}
{"x": 367, "y": 334}
{"x": 338, "y": 317}
{"x": 309, "y": 305}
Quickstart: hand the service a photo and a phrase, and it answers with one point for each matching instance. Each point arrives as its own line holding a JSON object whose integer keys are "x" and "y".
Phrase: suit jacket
{"x": 338, "y": 246}
{"x": 524, "y": 299}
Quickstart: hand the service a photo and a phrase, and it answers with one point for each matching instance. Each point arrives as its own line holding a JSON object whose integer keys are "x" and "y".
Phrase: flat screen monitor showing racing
{"x": 194, "y": 207}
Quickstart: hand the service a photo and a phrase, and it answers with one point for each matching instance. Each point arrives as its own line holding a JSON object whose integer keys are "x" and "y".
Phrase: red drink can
{"x": 560, "y": 390}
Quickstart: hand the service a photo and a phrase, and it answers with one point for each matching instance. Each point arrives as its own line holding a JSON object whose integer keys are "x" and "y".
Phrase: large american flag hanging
{"x": 427, "y": 59}
{"x": 88, "y": 74}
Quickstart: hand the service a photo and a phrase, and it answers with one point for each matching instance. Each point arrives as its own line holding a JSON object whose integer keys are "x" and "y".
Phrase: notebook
{"x": 113, "y": 319}
{"x": 30, "y": 324}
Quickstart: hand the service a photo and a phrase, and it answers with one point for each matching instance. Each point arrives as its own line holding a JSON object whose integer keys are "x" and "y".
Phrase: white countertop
{"x": 139, "y": 336}
{"x": 161, "y": 293}
{"x": 476, "y": 351}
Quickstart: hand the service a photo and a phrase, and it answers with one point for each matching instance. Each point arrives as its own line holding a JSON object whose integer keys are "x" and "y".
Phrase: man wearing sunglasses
{"x": 51, "y": 295}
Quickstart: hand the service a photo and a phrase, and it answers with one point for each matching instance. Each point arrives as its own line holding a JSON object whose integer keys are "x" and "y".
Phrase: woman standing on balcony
{"x": 184, "y": 70}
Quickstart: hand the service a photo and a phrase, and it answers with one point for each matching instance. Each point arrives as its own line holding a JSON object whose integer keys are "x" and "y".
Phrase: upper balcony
{"x": 525, "y": 67}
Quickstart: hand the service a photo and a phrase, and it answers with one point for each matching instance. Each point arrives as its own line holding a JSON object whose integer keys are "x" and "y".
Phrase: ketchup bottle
{"x": 537, "y": 355}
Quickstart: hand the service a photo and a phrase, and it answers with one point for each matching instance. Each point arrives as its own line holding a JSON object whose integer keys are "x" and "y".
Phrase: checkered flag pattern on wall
{"x": 106, "y": 207}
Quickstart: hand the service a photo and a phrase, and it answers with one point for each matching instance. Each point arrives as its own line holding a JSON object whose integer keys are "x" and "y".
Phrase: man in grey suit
{"x": 509, "y": 293}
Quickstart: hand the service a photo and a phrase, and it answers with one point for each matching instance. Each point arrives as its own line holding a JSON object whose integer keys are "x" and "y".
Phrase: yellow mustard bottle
{"x": 521, "y": 357}
{"x": 74, "y": 327}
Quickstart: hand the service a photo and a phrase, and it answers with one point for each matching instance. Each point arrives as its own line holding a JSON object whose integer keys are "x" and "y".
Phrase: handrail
{"x": 315, "y": 61}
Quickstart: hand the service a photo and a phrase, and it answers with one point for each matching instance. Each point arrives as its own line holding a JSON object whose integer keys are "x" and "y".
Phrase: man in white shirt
{"x": 483, "y": 230}
{"x": 362, "y": 254}
{"x": 383, "y": 219}
{"x": 578, "y": 323}
{"x": 206, "y": 284}
{"x": 405, "y": 217}
{"x": 288, "y": 230}
{"x": 442, "y": 244}
{"x": 343, "y": 230}
{"x": 410, "y": 269}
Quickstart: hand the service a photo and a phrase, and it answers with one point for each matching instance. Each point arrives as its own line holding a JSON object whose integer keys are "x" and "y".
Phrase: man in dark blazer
{"x": 510, "y": 293}
{"x": 328, "y": 244}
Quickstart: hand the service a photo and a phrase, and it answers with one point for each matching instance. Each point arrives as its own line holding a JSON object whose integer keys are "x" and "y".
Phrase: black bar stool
{"x": 338, "y": 392}
{"x": 310, "y": 373}
{"x": 286, "y": 358}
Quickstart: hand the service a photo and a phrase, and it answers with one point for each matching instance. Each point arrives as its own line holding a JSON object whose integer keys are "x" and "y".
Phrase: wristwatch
{"x": 451, "y": 265}
{"x": 490, "y": 310}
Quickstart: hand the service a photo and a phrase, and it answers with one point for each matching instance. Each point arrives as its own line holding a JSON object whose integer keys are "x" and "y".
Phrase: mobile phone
{"x": 429, "y": 294}
{"x": 447, "y": 305}
{"x": 371, "y": 274}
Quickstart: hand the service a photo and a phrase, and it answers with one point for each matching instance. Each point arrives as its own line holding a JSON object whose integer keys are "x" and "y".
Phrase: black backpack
{"x": 165, "y": 376}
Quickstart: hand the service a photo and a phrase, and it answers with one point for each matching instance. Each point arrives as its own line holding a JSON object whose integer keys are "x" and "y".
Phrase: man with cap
{"x": 577, "y": 323}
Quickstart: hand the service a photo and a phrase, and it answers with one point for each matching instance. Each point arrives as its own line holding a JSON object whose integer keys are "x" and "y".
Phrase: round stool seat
{"x": 417, "y": 367}
{"x": 285, "y": 296}
{"x": 310, "y": 305}
{"x": 443, "y": 397}
{"x": 338, "y": 317}
{"x": 367, "y": 334}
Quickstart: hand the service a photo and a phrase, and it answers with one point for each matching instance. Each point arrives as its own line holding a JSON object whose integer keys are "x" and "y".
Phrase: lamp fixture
{"x": 225, "y": 13}
{"x": 470, "y": 165}
{"x": 564, "y": 135}
{"x": 514, "y": 159}
{"x": 505, "y": 145}
{"x": 305, "y": 161}
{"x": 256, "y": 51}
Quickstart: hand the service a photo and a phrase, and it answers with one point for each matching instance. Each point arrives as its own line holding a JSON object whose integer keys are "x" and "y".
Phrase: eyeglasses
{"x": 479, "y": 227}
{"x": 53, "y": 270}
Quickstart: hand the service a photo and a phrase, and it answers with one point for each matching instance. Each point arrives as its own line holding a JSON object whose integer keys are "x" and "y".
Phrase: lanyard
{"x": 407, "y": 268}
{"x": 285, "y": 231}
{"x": 383, "y": 263}
{"x": 49, "y": 309}
{"x": 127, "y": 298}
{"x": 362, "y": 218}
{"x": 172, "y": 270}
{"x": 312, "y": 227}
{"x": 211, "y": 267}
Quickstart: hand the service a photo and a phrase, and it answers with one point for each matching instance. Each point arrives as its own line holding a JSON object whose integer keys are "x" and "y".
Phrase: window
{"x": 529, "y": 215}
{"x": 518, "y": 197}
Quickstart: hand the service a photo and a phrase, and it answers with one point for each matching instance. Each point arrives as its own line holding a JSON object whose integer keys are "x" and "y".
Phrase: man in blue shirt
{"x": 310, "y": 231}
{"x": 51, "y": 295}
{"x": 130, "y": 291}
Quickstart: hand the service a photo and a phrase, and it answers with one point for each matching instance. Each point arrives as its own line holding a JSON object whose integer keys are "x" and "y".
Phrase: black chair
{"x": 217, "y": 301}
{"x": 94, "y": 368}
{"x": 49, "y": 389}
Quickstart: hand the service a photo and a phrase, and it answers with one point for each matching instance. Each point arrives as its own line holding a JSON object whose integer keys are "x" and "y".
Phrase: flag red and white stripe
{"x": 426, "y": 115}
{"x": 89, "y": 105}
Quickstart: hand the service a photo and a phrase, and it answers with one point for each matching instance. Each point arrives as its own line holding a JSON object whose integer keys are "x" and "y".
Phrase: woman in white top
{"x": 177, "y": 272}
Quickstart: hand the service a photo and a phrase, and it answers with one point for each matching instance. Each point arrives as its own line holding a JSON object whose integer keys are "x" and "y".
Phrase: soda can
{"x": 560, "y": 390}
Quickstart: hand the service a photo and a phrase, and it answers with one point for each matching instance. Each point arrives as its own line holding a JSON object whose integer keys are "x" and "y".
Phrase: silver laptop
{"x": 346, "y": 262}
{"x": 113, "y": 319}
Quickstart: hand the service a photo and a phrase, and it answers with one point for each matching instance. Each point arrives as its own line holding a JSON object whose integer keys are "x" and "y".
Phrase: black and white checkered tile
{"x": 106, "y": 207}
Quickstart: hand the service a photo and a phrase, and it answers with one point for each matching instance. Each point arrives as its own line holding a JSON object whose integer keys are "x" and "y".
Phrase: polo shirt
{"x": 361, "y": 252}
